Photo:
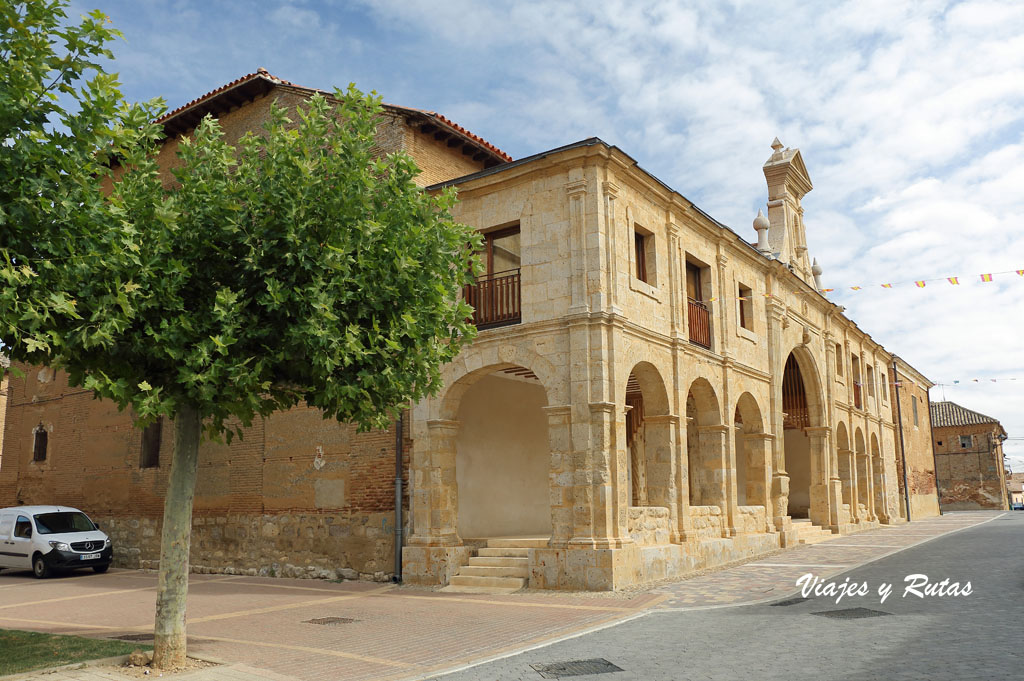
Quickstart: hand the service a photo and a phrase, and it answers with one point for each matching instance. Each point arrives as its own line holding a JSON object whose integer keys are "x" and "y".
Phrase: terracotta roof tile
{"x": 945, "y": 414}
{"x": 265, "y": 75}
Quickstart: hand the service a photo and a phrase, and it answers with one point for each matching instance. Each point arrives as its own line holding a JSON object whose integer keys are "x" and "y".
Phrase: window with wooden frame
{"x": 644, "y": 263}
{"x": 40, "y": 441}
{"x": 640, "y": 255}
{"x": 151, "y": 435}
{"x": 745, "y": 300}
{"x": 495, "y": 296}
{"x": 502, "y": 250}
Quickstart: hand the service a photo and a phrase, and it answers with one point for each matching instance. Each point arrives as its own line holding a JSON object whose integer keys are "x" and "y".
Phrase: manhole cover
{"x": 134, "y": 637}
{"x": 790, "y": 601}
{"x": 575, "y": 668}
{"x": 331, "y": 621}
{"x": 851, "y": 613}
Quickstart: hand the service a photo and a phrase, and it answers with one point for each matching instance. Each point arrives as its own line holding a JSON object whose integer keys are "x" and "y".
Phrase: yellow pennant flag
{"x": 855, "y": 288}
{"x": 919, "y": 284}
{"x": 827, "y": 290}
{"x": 986, "y": 277}
{"x": 955, "y": 281}
{"x": 1020, "y": 272}
{"x": 886, "y": 285}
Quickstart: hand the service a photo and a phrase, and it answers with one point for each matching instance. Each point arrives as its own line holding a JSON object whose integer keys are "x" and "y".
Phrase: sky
{"x": 909, "y": 116}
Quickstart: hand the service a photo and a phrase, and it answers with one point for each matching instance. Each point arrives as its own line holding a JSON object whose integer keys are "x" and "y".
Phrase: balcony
{"x": 495, "y": 299}
{"x": 700, "y": 323}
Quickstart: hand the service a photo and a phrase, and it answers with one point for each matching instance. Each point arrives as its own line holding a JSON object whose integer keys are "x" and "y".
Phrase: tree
{"x": 295, "y": 267}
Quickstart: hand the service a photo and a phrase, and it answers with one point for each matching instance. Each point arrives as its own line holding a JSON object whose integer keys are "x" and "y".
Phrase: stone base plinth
{"x": 432, "y": 565}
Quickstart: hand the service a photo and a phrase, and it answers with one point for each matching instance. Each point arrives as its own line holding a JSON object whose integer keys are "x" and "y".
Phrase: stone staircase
{"x": 809, "y": 533}
{"x": 502, "y": 566}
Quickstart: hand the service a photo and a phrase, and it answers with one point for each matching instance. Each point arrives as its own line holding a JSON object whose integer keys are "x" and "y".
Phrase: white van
{"x": 48, "y": 538}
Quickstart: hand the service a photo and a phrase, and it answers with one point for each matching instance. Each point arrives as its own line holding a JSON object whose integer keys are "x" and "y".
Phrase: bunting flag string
{"x": 921, "y": 283}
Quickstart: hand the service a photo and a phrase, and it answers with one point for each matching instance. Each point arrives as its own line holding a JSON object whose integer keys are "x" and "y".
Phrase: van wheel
{"x": 100, "y": 569}
{"x": 39, "y": 567}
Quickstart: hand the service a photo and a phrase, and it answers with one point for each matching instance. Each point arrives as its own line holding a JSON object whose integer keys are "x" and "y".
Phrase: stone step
{"x": 492, "y": 571}
{"x": 517, "y": 543}
{"x": 500, "y": 561}
{"x": 451, "y": 588}
{"x": 509, "y": 553}
{"x": 499, "y": 582}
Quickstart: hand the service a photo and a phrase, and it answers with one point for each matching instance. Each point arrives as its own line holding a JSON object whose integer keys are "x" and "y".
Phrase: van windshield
{"x": 63, "y": 521}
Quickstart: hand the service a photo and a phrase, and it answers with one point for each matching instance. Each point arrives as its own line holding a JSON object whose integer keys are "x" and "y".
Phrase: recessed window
{"x": 151, "y": 444}
{"x": 913, "y": 403}
{"x": 40, "y": 440}
{"x": 643, "y": 256}
{"x": 940, "y": 443}
{"x": 871, "y": 380}
{"x": 839, "y": 359}
{"x": 746, "y": 307}
{"x": 966, "y": 441}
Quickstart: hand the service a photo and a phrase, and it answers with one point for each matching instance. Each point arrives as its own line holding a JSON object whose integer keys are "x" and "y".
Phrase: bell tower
{"x": 788, "y": 183}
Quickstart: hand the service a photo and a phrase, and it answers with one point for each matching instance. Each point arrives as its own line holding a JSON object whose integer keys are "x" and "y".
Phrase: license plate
{"x": 90, "y": 556}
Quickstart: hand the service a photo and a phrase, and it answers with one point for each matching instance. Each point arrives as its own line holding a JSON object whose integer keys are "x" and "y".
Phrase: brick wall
{"x": 264, "y": 504}
{"x": 917, "y": 443}
{"x": 970, "y": 477}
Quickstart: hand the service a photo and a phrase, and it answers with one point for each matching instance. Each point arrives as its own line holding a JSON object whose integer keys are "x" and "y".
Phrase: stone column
{"x": 560, "y": 474}
{"x": 684, "y": 478}
{"x": 661, "y": 451}
{"x": 854, "y": 488}
{"x": 821, "y": 505}
{"x": 759, "y": 477}
{"x": 869, "y": 473}
{"x": 714, "y": 457}
{"x": 780, "y": 479}
{"x": 436, "y": 497}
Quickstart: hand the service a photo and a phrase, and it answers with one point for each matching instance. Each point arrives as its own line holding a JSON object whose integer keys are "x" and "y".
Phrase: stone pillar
{"x": 560, "y": 474}
{"x": 869, "y": 473}
{"x": 661, "y": 451}
{"x": 854, "y": 488}
{"x": 820, "y": 511}
{"x": 759, "y": 475}
{"x": 684, "y": 478}
{"x": 714, "y": 458}
{"x": 435, "y": 504}
{"x": 777, "y": 365}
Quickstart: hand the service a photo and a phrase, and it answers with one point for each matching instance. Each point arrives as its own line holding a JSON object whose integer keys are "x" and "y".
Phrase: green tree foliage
{"x": 295, "y": 267}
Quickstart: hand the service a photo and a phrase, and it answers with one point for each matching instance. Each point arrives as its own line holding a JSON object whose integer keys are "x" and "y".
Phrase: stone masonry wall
{"x": 917, "y": 439}
{"x": 970, "y": 477}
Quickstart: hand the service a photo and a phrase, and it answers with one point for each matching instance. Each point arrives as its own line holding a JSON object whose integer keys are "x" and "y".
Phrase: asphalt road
{"x": 956, "y": 637}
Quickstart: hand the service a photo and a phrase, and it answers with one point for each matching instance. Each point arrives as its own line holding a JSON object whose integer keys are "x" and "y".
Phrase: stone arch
{"x": 706, "y": 459}
{"x": 804, "y": 447}
{"x": 753, "y": 465}
{"x": 649, "y": 437}
{"x": 847, "y": 477}
{"x": 490, "y": 455}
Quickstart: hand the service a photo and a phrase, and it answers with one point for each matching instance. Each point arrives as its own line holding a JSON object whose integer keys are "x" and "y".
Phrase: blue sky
{"x": 910, "y": 117}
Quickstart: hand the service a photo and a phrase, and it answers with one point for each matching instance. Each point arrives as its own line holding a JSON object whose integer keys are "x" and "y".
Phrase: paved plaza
{"x": 714, "y": 626}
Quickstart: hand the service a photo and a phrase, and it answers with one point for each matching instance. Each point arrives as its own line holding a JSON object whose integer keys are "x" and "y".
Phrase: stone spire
{"x": 816, "y": 271}
{"x": 788, "y": 182}
{"x": 761, "y": 226}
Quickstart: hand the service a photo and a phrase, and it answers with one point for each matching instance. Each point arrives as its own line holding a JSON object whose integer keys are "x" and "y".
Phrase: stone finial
{"x": 816, "y": 271}
{"x": 264, "y": 72}
{"x": 761, "y": 225}
{"x": 776, "y": 145}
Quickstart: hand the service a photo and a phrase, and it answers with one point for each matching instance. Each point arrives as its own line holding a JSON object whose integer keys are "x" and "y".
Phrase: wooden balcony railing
{"x": 700, "y": 323}
{"x": 496, "y": 299}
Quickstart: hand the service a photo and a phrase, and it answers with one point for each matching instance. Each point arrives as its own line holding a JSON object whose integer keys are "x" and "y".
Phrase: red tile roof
{"x": 219, "y": 99}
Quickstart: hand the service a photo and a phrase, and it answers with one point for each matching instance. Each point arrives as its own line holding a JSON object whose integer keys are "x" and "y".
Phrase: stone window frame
{"x": 648, "y": 286}
{"x": 840, "y": 363}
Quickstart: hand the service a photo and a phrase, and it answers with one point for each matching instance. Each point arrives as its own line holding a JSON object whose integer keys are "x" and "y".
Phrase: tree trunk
{"x": 172, "y": 590}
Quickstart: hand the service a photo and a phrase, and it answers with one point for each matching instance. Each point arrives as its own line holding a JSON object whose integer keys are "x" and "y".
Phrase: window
{"x": 871, "y": 380}
{"x": 694, "y": 285}
{"x": 913, "y": 403}
{"x": 855, "y": 379}
{"x": 966, "y": 441}
{"x": 940, "y": 443}
{"x": 23, "y": 528}
{"x": 839, "y": 359}
{"x": 151, "y": 444}
{"x": 644, "y": 260}
{"x": 39, "y": 443}
{"x": 746, "y": 307}
{"x": 502, "y": 250}
{"x": 886, "y": 385}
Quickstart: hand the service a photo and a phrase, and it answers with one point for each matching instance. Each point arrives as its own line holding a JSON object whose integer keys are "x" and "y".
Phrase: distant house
{"x": 1015, "y": 489}
{"x": 969, "y": 458}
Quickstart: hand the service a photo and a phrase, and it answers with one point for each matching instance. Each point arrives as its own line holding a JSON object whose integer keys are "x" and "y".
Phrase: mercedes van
{"x": 48, "y": 538}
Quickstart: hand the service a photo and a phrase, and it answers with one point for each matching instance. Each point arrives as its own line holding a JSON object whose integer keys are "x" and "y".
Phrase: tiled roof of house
{"x": 945, "y": 414}
{"x": 241, "y": 89}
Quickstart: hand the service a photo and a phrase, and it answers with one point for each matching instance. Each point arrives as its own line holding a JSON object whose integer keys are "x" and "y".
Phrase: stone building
{"x": 969, "y": 462}
{"x": 649, "y": 394}
{"x": 1015, "y": 489}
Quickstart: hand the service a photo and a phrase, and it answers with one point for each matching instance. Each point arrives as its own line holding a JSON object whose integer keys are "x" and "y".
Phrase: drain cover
{"x": 790, "y": 601}
{"x": 331, "y": 621}
{"x": 851, "y": 613}
{"x": 575, "y": 668}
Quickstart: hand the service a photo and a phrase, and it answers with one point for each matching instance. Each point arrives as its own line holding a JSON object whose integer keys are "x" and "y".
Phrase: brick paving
{"x": 259, "y": 626}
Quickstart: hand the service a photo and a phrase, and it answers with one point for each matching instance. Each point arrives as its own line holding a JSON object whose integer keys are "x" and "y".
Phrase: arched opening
{"x": 878, "y": 478}
{"x": 502, "y": 456}
{"x": 648, "y": 439}
{"x": 705, "y": 460}
{"x": 753, "y": 465}
{"x": 796, "y": 418}
{"x": 863, "y": 478}
{"x": 846, "y": 467}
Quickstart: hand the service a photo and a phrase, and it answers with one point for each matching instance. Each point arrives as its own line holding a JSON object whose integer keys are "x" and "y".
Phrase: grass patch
{"x": 23, "y": 651}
